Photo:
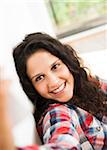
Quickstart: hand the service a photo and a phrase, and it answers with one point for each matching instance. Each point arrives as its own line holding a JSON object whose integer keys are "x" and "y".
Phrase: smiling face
{"x": 50, "y": 76}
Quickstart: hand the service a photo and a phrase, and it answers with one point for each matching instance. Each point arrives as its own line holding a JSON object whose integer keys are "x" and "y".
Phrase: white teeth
{"x": 59, "y": 89}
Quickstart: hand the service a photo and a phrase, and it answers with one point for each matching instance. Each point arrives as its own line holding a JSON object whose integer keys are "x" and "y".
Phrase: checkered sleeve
{"x": 61, "y": 128}
{"x": 33, "y": 147}
{"x": 58, "y": 130}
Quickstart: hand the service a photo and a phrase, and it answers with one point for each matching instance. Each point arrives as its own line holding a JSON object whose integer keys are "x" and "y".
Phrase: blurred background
{"x": 80, "y": 23}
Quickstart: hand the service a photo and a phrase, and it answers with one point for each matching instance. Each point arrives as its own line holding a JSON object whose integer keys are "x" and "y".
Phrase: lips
{"x": 59, "y": 89}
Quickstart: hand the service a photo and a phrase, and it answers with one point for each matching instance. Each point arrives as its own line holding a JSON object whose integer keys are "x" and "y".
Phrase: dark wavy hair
{"x": 87, "y": 94}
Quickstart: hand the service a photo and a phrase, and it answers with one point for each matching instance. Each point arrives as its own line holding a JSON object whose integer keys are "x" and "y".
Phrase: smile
{"x": 59, "y": 89}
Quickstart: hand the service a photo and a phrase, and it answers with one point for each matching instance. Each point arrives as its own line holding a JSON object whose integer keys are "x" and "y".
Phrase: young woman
{"x": 70, "y": 107}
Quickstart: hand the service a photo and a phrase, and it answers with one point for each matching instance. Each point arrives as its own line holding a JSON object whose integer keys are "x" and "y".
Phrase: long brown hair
{"x": 87, "y": 92}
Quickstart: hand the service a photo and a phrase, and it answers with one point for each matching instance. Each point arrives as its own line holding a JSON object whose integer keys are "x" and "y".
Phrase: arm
{"x": 6, "y": 139}
{"x": 59, "y": 132}
{"x": 59, "y": 129}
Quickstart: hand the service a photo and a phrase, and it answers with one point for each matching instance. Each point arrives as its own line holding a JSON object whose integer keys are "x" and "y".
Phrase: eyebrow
{"x": 54, "y": 62}
{"x": 36, "y": 76}
{"x": 41, "y": 73}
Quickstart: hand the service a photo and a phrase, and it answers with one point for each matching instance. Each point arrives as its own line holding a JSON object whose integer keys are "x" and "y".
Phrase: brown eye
{"x": 55, "y": 66}
{"x": 39, "y": 78}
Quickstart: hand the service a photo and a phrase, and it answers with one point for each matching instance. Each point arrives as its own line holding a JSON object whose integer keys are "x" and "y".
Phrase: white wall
{"x": 96, "y": 61}
{"x": 91, "y": 45}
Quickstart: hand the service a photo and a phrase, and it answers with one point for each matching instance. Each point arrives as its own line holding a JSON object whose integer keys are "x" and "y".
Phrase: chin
{"x": 63, "y": 100}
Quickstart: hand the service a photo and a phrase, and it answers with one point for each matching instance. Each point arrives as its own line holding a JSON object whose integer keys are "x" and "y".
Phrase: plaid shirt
{"x": 64, "y": 127}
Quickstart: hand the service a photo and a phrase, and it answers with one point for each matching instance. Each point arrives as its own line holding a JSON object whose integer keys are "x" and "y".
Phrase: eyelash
{"x": 39, "y": 78}
{"x": 55, "y": 66}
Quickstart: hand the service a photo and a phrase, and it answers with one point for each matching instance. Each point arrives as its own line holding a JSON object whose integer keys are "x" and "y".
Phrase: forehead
{"x": 41, "y": 56}
{"x": 38, "y": 61}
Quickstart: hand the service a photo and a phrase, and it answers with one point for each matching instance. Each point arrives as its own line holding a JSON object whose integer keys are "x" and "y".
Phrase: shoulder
{"x": 60, "y": 110}
{"x": 63, "y": 112}
{"x": 59, "y": 113}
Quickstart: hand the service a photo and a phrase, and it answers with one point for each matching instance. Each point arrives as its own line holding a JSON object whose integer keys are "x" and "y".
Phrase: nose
{"x": 52, "y": 81}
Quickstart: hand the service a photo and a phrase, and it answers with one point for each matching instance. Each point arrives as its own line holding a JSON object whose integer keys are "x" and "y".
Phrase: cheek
{"x": 66, "y": 73}
{"x": 69, "y": 77}
{"x": 41, "y": 89}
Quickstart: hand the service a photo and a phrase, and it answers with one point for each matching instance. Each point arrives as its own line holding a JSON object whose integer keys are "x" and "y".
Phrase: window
{"x": 73, "y": 16}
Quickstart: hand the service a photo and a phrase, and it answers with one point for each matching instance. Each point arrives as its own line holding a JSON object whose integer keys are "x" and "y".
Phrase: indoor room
{"x": 78, "y": 23}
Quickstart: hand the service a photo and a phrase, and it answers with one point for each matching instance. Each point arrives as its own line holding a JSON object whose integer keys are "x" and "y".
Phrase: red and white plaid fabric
{"x": 65, "y": 128}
